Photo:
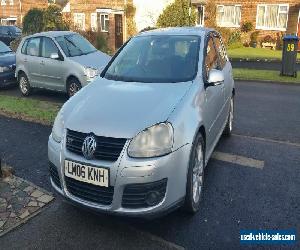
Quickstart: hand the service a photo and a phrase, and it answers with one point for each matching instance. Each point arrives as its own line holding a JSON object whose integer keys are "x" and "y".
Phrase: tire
{"x": 73, "y": 86}
{"x": 195, "y": 176}
{"x": 228, "y": 128}
{"x": 24, "y": 84}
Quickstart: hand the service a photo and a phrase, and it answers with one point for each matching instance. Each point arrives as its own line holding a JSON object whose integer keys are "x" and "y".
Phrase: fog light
{"x": 153, "y": 198}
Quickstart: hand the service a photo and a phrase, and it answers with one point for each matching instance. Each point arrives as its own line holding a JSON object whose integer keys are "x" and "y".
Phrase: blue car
{"x": 7, "y": 65}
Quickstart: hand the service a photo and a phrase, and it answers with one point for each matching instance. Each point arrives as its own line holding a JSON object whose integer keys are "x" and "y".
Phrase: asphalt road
{"x": 266, "y": 128}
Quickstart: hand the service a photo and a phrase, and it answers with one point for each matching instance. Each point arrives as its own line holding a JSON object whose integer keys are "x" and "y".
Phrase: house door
{"x": 118, "y": 30}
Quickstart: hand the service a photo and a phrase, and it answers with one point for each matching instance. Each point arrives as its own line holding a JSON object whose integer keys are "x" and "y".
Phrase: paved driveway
{"x": 237, "y": 196}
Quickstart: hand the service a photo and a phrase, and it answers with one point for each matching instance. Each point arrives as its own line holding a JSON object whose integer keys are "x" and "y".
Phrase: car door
{"x": 32, "y": 61}
{"x": 52, "y": 69}
{"x": 214, "y": 95}
{"x": 225, "y": 67}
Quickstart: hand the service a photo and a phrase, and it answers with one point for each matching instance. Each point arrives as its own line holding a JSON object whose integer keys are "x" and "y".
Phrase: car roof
{"x": 52, "y": 34}
{"x": 198, "y": 31}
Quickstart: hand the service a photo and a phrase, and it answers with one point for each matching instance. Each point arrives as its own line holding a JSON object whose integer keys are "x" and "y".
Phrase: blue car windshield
{"x": 156, "y": 59}
{"x": 4, "y": 48}
{"x": 75, "y": 45}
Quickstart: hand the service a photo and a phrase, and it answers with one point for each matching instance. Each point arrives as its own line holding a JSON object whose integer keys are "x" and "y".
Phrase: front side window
{"x": 75, "y": 45}
{"x": 272, "y": 16}
{"x": 104, "y": 21}
{"x": 33, "y": 47}
{"x": 221, "y": 51}
{"x": 48, "y": 48}
{"x": 156, "y": 59}
{"x": 229, "y": 15}
{"x": 79, "y": 21}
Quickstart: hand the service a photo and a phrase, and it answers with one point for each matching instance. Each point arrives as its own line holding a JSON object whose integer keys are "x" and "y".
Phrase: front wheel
{"x": 194, "y": 188}
{"x": 73, "y": 87}
{"x": 229, "y": 124}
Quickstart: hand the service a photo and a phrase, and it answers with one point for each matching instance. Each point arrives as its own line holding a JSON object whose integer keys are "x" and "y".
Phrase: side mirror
{"x": 215, "y": 77}
{"x": 54, "y": 56}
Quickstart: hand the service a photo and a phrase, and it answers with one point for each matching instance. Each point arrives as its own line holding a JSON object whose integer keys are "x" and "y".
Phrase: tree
{"x": 53, "y": 19}
{"x": 177, "y": 14}
{"x": 130, "y": 11}
{"x": 38, "y": 20}
{"x": 33, "y": 21}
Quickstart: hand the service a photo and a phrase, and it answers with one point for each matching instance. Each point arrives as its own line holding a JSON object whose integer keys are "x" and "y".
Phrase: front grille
{"x": 89, "y": 192}
{"x": 134, "y": 195}
{"x": 108, "y": 148}
{"x": 54, "y": 175}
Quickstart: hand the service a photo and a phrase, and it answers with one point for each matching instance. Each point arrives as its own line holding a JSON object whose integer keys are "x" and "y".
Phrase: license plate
{"x": 89, "y": 174}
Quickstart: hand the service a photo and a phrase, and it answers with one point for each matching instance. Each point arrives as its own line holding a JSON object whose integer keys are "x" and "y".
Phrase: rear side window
{"x": 33, "y": 46}
{"x": 48, "y": 47}
{"x": 24, "y": 47}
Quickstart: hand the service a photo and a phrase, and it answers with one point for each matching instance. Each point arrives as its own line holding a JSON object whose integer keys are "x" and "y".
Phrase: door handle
{"x": 25, "y": 60}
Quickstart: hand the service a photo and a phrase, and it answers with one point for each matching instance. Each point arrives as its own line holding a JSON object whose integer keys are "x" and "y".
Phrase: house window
{"x": 94, "y": 22}
{"x": 3, "y": 2}
{"x": 79, "y": 21}
{"x": 104, "y": 22}
{"x": 272, "y": 16}
{"x": 11, "y": 2}
{"x": 229, "y": 15}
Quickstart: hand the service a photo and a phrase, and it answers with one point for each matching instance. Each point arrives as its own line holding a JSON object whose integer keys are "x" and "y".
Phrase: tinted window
{"x": 4, "y": 48}
{"x": 48, "y": 47}
{"x": 33, "y": 47}
{"x": 211, "y": 59}
{"x": 156, "y": 59}
{"x": 24, "y": 47}
{"x": 221, "y": 51}
{"x": 75, "y": 45}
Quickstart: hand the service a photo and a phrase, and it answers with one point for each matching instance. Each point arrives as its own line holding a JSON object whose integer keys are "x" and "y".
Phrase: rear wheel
{"x": 194, "y": 188}
{"x": 73, "y": 86}
{"x": 229, "y": 124}
{"x": 24, "y": 84}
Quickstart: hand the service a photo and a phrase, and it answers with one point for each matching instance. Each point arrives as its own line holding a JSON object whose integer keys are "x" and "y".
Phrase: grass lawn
{"x": 28, "y": 109}
{"x": 256, "y": 53}
{"x": 265, "y": 75}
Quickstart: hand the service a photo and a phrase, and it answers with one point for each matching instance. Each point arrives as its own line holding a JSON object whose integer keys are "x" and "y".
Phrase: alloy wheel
{"x": 198, "y": 173}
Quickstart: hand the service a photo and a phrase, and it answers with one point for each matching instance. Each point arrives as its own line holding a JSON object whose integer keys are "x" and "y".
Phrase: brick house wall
{"x": 109, "y": 7}
{"x": 13, "y": 13}
{"x": 249, "y": 13}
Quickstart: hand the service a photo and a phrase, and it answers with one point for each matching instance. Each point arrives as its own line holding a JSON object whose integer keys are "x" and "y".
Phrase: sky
{"x": 147, "y": 12}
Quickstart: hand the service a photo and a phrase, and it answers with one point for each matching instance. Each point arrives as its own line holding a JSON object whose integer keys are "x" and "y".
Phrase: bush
{"x": 38, "y": 20}
{"x": 254, "y": 38}
{"x": 33, "y": 21}
{"x": 225, "y": 33}
{"x": 98, "y": 39}
{"x": 235, "y": 40}
{"x": 247, "y": 27}
{"x": 268, "y": 39}
{"x": 177, "y": 15}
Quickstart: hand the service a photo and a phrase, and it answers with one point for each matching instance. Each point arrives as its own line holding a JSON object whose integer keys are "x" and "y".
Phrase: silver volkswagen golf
{"x": 136, "y": 141}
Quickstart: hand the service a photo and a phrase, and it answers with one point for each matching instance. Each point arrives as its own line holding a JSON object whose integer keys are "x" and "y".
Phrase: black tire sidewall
{"x": 28, "y": 84}
{"x": 70, "y": 81}
{"x": 190, "y": 206}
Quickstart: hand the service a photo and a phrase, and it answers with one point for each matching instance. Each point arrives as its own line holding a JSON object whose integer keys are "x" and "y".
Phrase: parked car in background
{"x": 7, "y": 65}
{"x": 9, "y": 34}
{"x": 57, "y": 60}
{"x": 136, "y": 141}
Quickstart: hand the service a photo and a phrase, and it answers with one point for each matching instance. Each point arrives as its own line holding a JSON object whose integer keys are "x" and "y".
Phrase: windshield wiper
{"x": 70, "y": 41}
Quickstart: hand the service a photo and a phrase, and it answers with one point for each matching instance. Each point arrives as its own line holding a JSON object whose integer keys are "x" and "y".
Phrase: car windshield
{"x": 156, "y": 59}
{"x": 16, "y": 30}
{"x": 75, "y": 45}
{"x": 4, "y": 48}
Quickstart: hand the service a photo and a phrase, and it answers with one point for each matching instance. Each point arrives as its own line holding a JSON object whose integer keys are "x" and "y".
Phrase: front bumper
{"x": 7, "y": 78}
{"x": 127, "y": 171}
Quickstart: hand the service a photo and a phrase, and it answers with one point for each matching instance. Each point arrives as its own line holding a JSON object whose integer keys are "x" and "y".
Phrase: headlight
{"x": 152, "y": 142}
{"x": 90, "y": 72}
{"x": 58, "y": 128}
{"x": 4, "y": 69}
